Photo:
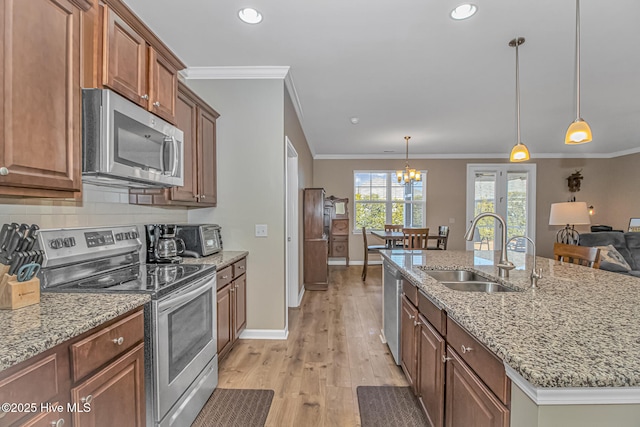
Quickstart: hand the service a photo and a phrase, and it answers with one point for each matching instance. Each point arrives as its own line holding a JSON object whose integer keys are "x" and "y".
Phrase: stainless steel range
{"x": 181, "y": 364}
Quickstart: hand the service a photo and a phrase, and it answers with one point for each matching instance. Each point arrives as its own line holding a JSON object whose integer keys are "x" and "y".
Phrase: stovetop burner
{"x": 155, "y": 279}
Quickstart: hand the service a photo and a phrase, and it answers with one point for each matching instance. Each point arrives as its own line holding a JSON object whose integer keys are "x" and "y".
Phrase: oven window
{"x": 138, "y": 145}
{"x": 190, "y": 330}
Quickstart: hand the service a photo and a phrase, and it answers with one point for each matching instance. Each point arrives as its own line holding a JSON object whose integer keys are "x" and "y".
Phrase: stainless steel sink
{"x": 467, "y": 281}
{"x": 456, "y": 276}
{"x": 489, "y": 287}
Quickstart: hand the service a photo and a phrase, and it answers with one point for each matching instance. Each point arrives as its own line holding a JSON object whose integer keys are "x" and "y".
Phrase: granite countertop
{"x": 579, "y": 328}
{"x": 220, "y": 260}
{"x": 31, "y": 330}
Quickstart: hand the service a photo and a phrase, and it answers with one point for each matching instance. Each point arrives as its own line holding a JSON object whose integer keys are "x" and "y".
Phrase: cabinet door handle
{"x": 241, "y": 267}
{"x": 411, "y": 317}
{"x": 58, "y": 423}
{"x": 232, "y": 289}
{"x": 203, "y": 196}
{"x": 87, "y": 399}
{"x": 156, "y": 104}
{"x": 465, "y": 349}
{"x": 145, "y": 96}
{"x": 225, "y": 277}
{"x": 4, "y": 171}
{"x": 445, "y": 359}
{"x": 416, "y": 323}
{"x": 118, "y": 340}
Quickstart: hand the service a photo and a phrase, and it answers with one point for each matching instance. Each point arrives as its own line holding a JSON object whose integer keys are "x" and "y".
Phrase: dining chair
{"x": 443, "y": 237}
{"x": 395, "y": 227}
{"x": 368, "y": 249}
{"x": 415, "y": 238}
{"x": 581, "y": 255}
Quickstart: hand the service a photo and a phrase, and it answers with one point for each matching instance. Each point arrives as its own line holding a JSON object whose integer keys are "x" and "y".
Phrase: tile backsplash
{"x": 99, "y": 206}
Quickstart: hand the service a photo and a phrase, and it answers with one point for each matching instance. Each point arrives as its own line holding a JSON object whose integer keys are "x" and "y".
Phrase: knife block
{"x": 14, "y": 294}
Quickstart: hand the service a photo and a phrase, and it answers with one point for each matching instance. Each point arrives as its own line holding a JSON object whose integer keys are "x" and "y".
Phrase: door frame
{"x": 292, "y": 252}
{"x": 501, "y": 194}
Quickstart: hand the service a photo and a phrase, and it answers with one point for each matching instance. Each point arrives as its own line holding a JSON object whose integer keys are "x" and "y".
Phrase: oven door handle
{"x": 173, "y": 301}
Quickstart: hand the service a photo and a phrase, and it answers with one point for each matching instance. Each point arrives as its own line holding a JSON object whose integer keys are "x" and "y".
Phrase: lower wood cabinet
{"x": 231, "y": 305}
{"x": 110, "y": 392}
{"x": 408, "y": 335}
{"x": 469, "y": 388}
{"x": 114, "y": 396}
{"x": 431, "y": 362}
{"x": 468, "y": 401}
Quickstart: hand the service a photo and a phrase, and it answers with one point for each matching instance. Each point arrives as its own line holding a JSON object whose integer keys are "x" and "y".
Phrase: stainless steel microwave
{"x": 124, "y": 145}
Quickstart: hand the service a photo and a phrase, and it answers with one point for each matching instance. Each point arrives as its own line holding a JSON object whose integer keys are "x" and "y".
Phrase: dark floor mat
{"x": 234, "y": 407}
{"x": 388, "y": 406}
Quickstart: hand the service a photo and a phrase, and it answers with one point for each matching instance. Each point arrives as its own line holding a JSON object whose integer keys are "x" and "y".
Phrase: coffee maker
{"x": 162, "y": 244}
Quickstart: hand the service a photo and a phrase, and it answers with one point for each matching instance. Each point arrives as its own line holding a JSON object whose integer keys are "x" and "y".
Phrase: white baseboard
{"x": 264, "y": 334}
{"x": 344, "y": 262}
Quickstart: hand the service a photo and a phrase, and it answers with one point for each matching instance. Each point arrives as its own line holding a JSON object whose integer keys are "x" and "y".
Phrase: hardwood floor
{"x": 333, "y": 347}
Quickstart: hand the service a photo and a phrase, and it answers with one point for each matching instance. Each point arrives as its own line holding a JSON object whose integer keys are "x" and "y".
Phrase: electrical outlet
{"x": 261, "y": 230}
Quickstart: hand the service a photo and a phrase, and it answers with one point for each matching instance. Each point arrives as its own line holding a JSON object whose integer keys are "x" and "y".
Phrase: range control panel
{"x": 70, "y": 245}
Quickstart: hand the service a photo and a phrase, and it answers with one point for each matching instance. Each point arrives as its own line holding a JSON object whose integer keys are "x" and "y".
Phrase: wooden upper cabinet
{"x": 40, "y": 112}
{"x": 187, "y": 121}
{"x": 125, "y": 59}
{"x": 207, "y": 184}
{"x": 163, "y": 85}
{"x": 135, "y": 63}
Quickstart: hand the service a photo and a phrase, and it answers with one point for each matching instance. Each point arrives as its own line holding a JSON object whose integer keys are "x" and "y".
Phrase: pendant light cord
{"x": 577, "y": 59}
{"x": 517, "y": 91}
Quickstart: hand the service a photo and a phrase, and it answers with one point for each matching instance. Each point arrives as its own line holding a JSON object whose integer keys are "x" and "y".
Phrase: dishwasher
{"x": 391, "y": 294}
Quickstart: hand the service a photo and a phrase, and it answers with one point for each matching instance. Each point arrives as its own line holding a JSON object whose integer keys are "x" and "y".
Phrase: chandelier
{"x": 407, "y": 174}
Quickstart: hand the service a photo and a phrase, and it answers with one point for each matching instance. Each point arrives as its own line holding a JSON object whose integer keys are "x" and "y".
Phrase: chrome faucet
{"x": 535, "y": 273}
{"x": 505, "y": 265}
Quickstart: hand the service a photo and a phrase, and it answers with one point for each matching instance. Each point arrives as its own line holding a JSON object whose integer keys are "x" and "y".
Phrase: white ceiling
{"x": 405, "y": 68}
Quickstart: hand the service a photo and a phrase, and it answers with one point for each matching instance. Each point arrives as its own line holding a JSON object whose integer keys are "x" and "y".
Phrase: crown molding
{"x": 454, "y": 156}
{"x": 232, "y": 73}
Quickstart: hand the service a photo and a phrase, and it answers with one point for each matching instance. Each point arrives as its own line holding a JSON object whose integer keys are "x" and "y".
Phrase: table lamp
{"x": 569, "y": 214}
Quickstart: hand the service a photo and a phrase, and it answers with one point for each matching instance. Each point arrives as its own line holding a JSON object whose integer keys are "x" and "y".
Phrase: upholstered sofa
{"x": 627, "y": 244}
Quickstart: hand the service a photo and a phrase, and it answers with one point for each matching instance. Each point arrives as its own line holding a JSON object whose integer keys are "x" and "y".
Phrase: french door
{"x": 508, "y": 190}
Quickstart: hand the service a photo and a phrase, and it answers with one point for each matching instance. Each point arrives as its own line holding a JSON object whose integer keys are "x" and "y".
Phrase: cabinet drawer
{"x": 410, "y": 291}
{"x": 224, "y": 277}
{"x": 339, "y": 248}
{"x": 39, "y": 382}
{"x": 239, "y": 267}
{"x": 96, "y": 350}
{"x": 340, "y": 227}
{"x": 432, "y": 313}
{"x": 51, "y": 418}
{"x": 486, "y": 365}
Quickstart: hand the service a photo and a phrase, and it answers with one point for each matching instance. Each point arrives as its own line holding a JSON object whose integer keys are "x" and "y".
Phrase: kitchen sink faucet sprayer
{"x": 536, "y": 274}
{"x": 505, "y": 265}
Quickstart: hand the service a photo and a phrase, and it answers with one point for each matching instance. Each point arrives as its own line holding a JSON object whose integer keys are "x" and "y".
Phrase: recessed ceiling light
{"x": 464, "y": 11}
{"x": 354, "y": 120}
{"x": 250, "y": 15}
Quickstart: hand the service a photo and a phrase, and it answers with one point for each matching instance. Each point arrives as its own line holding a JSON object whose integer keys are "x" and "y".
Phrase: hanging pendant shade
{"x": 519, "y": 152}
{"x": 407, "y": 174}
{"x": 579, "y": 131}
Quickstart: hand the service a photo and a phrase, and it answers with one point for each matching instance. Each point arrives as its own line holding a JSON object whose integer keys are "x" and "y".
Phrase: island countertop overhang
{"x": 580, "y": 327}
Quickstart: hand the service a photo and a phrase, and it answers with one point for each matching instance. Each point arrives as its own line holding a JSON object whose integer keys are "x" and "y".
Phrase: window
{"x": 380, "y": 199}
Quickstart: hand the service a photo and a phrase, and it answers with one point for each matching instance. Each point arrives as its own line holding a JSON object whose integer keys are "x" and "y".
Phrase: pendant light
{"x": 520, "y": 152}
{"x": 579, "y": 131}
{"x": 407, "y": 174}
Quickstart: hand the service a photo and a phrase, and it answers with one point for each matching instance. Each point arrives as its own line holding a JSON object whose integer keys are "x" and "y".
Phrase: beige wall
{"x": 612, "y": 194}
{"x": 251, "y": 187}
{"x": 293, "y": 130}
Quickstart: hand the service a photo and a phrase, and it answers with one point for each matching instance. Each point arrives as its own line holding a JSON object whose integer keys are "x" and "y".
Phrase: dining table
{"x": 391, "y": 237}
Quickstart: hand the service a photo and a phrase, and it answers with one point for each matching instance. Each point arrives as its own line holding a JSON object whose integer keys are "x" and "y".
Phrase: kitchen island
{"x": 570, "y": 347}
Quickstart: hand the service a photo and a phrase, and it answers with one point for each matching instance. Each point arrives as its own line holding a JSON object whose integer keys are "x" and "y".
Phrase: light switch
{"x": 261, "y": 230}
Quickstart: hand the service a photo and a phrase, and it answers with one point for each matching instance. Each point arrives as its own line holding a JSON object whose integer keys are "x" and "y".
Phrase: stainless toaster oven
{"x": 200, "y": 239}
